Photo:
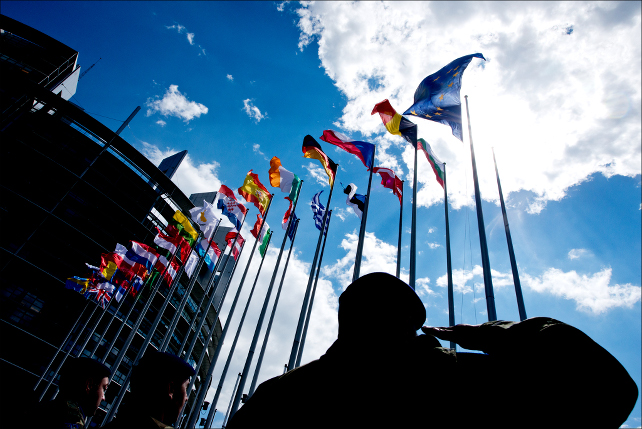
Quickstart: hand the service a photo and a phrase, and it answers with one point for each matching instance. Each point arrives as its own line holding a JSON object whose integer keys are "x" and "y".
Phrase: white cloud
{"x": 318, "y": 174}
{"x": 190, "y": 177}
{"x": 341, "y": 213}
{"x": 576, "y": 253}
{"x": 257, "y": 150}
{"x": 431, "y": 230}
{"x": 281, "y": 6}
{"x": 182, "y": 30}
{"x": 433, "y": 245}
{"x": 547, "y": 99}
{"x": 161, "y": 122}
{"x": 423, "y": 290}
{"x": 253, "y": 111}
{"x": 230, "y": 77}
{"x": 378, "y": 256}
{"x": 176, "y": 104}
{"x": 592, "y": 293}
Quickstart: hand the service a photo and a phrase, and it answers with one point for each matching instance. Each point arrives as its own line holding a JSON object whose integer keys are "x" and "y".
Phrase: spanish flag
{"x": 312, "y": 149}
{"x": 254, "y": 192}
{"x": 395, "y": 123}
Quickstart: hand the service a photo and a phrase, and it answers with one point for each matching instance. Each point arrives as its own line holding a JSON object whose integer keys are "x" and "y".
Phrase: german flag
{"x": 312, "y": 149}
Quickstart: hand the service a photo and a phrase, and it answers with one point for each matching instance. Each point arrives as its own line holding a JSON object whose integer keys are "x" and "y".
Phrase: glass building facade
{"x": 71, "y": 189}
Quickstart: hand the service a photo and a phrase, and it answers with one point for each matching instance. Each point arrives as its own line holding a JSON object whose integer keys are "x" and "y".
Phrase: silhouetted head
{"x": 378, "y": 303}
{"x": 85, "y": 381}
{"x": 159, "y": 383}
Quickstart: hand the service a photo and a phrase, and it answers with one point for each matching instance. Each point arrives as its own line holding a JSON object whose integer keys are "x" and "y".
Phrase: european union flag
{"x": 437, "y": 96}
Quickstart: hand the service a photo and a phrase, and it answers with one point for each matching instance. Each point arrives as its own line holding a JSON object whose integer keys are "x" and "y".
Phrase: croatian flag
{"x": 234, "y": 210}
{"x": 363, "y": 150}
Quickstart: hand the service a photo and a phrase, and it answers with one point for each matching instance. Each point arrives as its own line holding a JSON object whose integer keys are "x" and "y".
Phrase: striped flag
{"x": 312, "y": 149}
{"x": 362, "y": 150}
{"x": 435, "y": 163}
{"x": 390, "y": 180}
{"x": 172, "y": 244}
{"x": 230, "y": 237}
{"x": 281, "y": 178}
{"x": 230, "y": 206}
{"x": 171, "y": 269}
{"x": 318, "y": 211}
{"x": 395, "y": 123}
{"x": 143, "y": 254}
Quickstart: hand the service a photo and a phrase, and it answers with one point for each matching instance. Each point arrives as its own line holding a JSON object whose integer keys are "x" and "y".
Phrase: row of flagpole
{"x": 308, "y": 300}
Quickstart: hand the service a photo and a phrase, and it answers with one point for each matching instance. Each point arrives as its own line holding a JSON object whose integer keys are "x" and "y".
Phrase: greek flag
{"x": 319, "y": 211}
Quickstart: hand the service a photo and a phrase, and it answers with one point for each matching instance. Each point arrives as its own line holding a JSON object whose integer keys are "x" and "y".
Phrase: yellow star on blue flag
{"x": 437, "y": 96}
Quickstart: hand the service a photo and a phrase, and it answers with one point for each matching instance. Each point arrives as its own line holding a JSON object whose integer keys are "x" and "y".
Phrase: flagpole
{"x": 67, "y": 353}
{"x": 211, "y": 284}
{"x": 123, "y": 388}
{"x": 413, "y": 230}
{"x": 126, "y": 318}
{"x": 488, "y": 281}
{"x": 192, "y": 420}
{"x": 451, "y": 296}
{"x": 205, "y": 383}
{"x": 201, "y": 394}
{"x": 304, "y": 306}
{"x": 188, "y": 291}
{"x": 226, "y": 418}
{"x": 259, "y": 323}
{"x": 511, "y": 252}
{"x": 364, "y": 216}
{"x": 111, "y": 319}
{"x": 400, "y": 227}
{"x": 314, "y": 291}
{"x": 62, "y": 345}
{"x": 259, "y": 362}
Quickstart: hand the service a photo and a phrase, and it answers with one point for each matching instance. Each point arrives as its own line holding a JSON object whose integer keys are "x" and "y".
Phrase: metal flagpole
{"x": 126, "y": 318}
{"x": 259, "y": 362}
{"x": 147, "y": 338}
{"x": 488, "y": 281}
{"x": 211, "y": 285}
{"x": 201, "y": 394}
{"x": 413, "y": 228}
{"x": 188, "y": 291}
{"x": 306, "y": 297}
{"x": 400, "y": 225}
{"x": 193, "y": 416}
{"x": 511, "y": 253}
{"x": 67, "y": 353}
{"x": 451, "y": 298}
{"x": 205, "y": 383}
{"x": 362, "y": 231}
{"x": 259, "y": 323}
{"x": 314, "y": 291}
{"x": 227, "y": 415}
{"x": 62, "y": 345}
{"x": 111, "y": 319}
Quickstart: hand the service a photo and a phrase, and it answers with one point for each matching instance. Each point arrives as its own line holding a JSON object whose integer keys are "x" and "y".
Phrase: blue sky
{"x": 558, "y": 99}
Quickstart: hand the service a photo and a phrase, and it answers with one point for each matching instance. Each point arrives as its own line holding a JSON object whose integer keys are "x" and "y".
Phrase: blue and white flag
{"x": 354, "y": 200}
{"x": 319, "y": 211}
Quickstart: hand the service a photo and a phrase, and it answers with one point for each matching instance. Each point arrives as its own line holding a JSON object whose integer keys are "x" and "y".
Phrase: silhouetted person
{"x": 158, "y": 392}
{"x": 82, "y": 384}
{"x": 379, "y": 373}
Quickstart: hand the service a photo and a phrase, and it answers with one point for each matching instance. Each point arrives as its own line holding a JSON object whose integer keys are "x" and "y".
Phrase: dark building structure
{"x": 71, "y": 189}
